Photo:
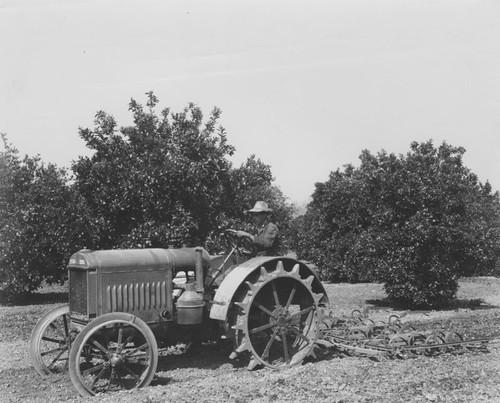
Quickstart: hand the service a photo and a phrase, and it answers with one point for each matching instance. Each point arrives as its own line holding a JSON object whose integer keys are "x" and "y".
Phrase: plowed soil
{"x": 209, "y": 375}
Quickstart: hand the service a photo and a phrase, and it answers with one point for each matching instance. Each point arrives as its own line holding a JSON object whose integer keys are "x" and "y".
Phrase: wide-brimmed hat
{"x": 260, "y": 207}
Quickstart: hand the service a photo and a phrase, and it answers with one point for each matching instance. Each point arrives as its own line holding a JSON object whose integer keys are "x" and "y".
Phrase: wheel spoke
{"x": 61, "y": 349}
{"x": 261, "y": 328}
{"x": 52, "y": 340}
{"x": 98, "y": 376}
{"x": 98, "y": 355}
{"x": 263, "y": 309}
{"x": 111, "y": 377}
{"x": 120, "y": 337}
{"x": 292, "y": 294}
{"x": 135, "y": 376}
{"x": 89, "y": 371}
{"x": 285, "y": 348}
{"x": 57, "y": 329}
{"x": 301, "y": 313}
{"x": 265, "y": 354}
{"x": 139, "y": 360}
{"x": 99, "y": 346}
{"x": 66, "y": 359}
{"x": 275, "y": 293}
{"x": 66, "y": 328}
{"x": 56, "y": 359}
{"x": 120, "y": 333}
{"x": 135, "y": 350}
{"x": 299, "y": 334}
{"x": 128, "y": 340}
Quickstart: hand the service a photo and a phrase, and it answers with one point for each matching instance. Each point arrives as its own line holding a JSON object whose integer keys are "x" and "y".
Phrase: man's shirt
{"x": 266, "y": 240}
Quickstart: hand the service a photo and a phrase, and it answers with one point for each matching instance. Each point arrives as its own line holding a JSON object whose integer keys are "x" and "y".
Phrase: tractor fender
{"x": 250, "y": 270}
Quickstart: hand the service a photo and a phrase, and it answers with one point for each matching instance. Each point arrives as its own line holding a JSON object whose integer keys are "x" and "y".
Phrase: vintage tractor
{"x": 127, "y": 306}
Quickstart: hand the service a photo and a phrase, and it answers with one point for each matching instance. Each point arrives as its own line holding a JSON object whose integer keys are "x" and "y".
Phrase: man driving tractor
{"x": 266, "y": 241}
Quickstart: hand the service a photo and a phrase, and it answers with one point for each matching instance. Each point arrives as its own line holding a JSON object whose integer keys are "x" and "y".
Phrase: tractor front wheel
{"x": 116, "y": 351}
{"x": 50, "y": 342}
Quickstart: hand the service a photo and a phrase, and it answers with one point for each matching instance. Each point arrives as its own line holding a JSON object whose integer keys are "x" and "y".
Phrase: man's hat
{"x": 260, "y": 207}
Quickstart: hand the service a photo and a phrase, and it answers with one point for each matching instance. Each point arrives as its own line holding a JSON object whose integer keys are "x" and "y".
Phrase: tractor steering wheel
{"x": 243, "y": 244}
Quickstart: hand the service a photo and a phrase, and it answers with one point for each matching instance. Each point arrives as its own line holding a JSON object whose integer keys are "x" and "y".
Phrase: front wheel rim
{"x": 114, "y": 356}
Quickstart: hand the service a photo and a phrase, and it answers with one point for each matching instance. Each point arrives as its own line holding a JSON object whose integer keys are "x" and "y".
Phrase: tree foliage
{"x": 251, "y": 182}
{"x": 167, "y": 180}
{"x": 157, "y": 182}
{"x": 164, "y": 181}
{"x": 416, "y": 222}
{"x": 40, "y": 222}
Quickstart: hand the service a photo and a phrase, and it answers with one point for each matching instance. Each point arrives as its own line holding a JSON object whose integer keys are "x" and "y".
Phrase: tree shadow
{"x": 453, "y": 305}
{"x": 40, "y": 298}
{"x": 45, "y": 294}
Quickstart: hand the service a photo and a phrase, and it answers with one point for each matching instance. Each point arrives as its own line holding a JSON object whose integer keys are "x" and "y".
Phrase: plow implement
{"x": 358, "y": 335}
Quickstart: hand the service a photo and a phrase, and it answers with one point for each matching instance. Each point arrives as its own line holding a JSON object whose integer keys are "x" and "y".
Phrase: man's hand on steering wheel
{"x": 242, "y": 234}
{"x": 241, "y": 240}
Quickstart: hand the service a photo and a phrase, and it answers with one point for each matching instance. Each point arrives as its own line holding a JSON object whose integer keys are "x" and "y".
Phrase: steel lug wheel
{"x": 279, "y": 320}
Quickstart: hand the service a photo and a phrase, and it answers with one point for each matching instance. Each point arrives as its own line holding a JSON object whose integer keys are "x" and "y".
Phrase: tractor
{"x": 128, "y": 306}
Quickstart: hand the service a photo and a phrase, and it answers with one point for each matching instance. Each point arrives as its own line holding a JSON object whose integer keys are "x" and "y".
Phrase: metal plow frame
{"x": 355, "y": 335}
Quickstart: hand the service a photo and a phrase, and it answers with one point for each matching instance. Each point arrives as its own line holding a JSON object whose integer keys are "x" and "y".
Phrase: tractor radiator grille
{"x": 78, "y": 291}
{"x": 136, "y": 297}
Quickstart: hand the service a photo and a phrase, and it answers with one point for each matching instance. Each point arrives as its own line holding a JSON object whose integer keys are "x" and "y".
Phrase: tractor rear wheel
{"x": 278, "y": 322}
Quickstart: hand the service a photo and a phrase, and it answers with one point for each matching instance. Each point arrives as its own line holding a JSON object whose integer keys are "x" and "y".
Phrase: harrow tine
{"x": 351, "y": 335}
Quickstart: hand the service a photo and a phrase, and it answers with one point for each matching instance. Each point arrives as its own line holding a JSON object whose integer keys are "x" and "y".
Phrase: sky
{"x": 303, "y": 85}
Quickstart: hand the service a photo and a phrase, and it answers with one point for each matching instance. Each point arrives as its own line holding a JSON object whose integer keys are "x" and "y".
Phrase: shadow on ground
{"x": 208, "y": 356}
{"x": 59, "y": 297}
{"x": 476, "y": 303}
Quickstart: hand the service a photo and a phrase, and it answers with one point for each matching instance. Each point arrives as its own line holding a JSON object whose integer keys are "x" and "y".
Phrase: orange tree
{"x": 248, "y": 183}
{"x": 416, "y": 222}
{"x": 40, "y": 222}
{"x": 164, "y": 181}
{"x": 167, "y": 180}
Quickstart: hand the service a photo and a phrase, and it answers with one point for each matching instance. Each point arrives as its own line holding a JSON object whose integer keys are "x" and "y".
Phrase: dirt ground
{"x": 209, "y": 376}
